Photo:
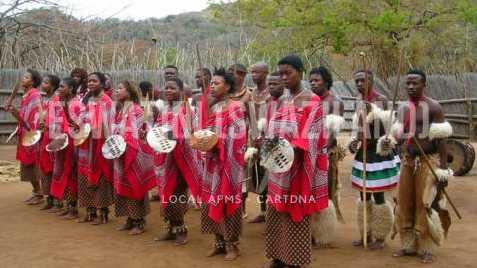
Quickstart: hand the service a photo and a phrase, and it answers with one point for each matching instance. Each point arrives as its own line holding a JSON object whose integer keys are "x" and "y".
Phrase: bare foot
{"x": 216, "y": 251}
{"x": 165, "y": 237}
{"x": 377, "y": 245}
{"x": 427, "y": 258}
{"x": 403, "y": 253}
{"x": 28, "y": 200}
{"x": 181, "y": 239}
{"x": 358, "y": 243}
{"x": 136, "y": 231}
{"x": 36, "y": 201}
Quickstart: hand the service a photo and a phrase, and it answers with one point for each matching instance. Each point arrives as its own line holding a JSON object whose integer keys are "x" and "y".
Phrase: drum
{"x": 58, "y": 143}
{"x": 277, "y": 155}
{"x": 159, "y": 140}
{"x": 460, "y": 156}
{"x": 470, "y": 157}
{"x": 113, "y": 147}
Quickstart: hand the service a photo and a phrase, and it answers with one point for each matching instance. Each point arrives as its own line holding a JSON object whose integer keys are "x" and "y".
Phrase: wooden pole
{"x": 205, "y": 115}
{"x": 12, "y": 96}
{"x": 365, "y": 151}
{"x": 396, "y": 91}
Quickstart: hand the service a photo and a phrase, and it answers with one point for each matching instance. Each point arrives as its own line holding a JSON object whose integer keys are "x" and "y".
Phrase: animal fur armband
{"x": 385, "y": 151}
{"x": 397, "y": 130}
{"x": 444, "y": 174}
{"x": 440, "y": 130}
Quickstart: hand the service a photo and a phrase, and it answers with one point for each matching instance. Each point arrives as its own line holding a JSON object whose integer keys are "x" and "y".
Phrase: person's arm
{"x": 439, "y": 131}
{"x": 15, "y": 113}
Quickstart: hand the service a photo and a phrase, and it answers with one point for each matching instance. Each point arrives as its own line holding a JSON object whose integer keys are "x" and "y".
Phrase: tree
{"x": 427, "y": 31}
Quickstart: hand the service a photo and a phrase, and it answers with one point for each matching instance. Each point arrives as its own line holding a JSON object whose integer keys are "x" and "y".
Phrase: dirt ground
{"x": 32, "y": 238}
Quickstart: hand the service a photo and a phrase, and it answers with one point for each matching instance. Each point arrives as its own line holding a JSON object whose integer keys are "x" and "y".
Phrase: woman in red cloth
{"x": 294, "y": 195}
{"x": 179, "y": 169}
{"x": 28, "y": 119}
{"x": 49, "y": 85}
{"x": 221, "y": 187}
{"x": 95, "y": 173}
{"x": 134, "y": 171}
{"x": 64, "y": 117}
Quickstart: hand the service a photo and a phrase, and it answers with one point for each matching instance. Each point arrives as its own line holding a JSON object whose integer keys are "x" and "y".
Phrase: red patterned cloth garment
{"x": 91, "y": 163}
{"x": 95, "y": 173}
{"x": 45, "y": 159}
{"x": 222, "y": 182}
{"x": 183, "y": 161}
{"x": 64, "y": 178}
{"x": 134, "y": 171}
{"x": 302, "y": 124}
{"x": 29, "y": 113}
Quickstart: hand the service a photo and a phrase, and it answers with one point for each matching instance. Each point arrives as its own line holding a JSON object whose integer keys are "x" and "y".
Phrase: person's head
{"x": 96, "y": 82}
{"x": 170, "y": 71}
{"x": 67, "y": 85}
{"x": 223, "y": 83}
{"x": 146, "y": 88}
{"x": 109, "y": 81}
{"x": 31, "y": 78}
{"x": 275, "y": 85}
{"x": 127, "y": 91}
{"x": 80, "y": 76}
{"x": 320, "y": 80}
{"x": 415, "y": 83}
{"x": 360, "y": 80}
{"x": 291, "y": 70}
{"x": 187, "y": 91}
{"x": 50, "y": 83}
{"x": 202, "y": 76}
{"x": 259, "y": 72}
{"x": 173, "y": 90}
{"x": 238, "y": 71}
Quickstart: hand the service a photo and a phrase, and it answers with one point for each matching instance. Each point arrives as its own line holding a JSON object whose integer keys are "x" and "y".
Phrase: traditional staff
{"x": 396, "y": 90}
{"x": 365, "y": 149}
{"x": 428, "y": 163}
{"x": 12, "y": 96}
{"x": 8, "y": 103}
{"x": 204, "y": 112}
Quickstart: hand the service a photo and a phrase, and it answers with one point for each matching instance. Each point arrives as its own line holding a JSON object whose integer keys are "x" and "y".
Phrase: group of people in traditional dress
{"x": 300, "y": 205}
